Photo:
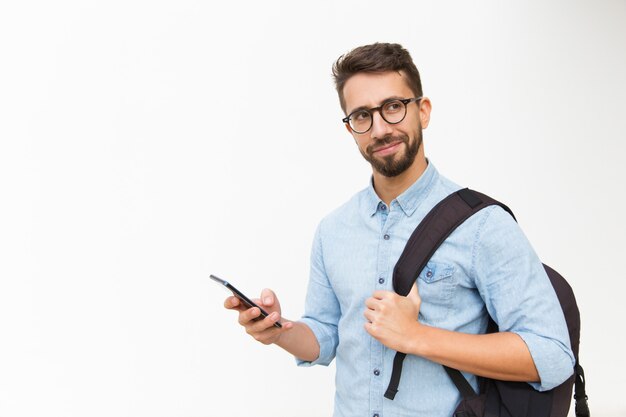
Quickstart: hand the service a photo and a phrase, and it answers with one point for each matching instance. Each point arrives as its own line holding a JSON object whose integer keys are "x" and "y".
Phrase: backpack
{"x": 495, "y": 398}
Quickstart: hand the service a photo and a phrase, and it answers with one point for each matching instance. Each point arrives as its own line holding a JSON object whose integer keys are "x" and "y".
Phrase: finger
{"x": 285, "y": 325}
{"x": 369, "y": 315}
{"x": 249, "y": 315}
{"x": 270, "y": 334}
{"x": 268, "y": 297}
{"x": 382, "y": 294}
{"x": 371, "y": 303}
{"x": 266, "y": 324}
{"x": 232, "y": 303}
{"x": 414, "y": 293}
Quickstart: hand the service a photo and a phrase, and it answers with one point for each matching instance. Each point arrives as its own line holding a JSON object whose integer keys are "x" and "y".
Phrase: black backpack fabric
{"x": 495, "y": 398}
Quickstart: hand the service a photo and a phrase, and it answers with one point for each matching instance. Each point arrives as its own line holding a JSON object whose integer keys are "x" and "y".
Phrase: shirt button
{"x": 376, "y": 415}
{"x": 386, "y": 237}
{"x": 383, "y": 207}
{"x": 381, "y": 280}
{"x": 429, "y": 274}
{"x": 376, "y": 372}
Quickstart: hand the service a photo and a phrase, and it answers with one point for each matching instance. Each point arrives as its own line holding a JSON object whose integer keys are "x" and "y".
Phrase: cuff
{"x": 326, "y": 338}
{"x": 554, "y": 361}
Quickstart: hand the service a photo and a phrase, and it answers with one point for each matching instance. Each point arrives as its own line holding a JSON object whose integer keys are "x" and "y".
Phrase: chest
{"x": 360, "y": 258}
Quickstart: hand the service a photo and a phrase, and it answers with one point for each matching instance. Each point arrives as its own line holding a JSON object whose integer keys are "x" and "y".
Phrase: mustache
{"x": 386, "y": 140}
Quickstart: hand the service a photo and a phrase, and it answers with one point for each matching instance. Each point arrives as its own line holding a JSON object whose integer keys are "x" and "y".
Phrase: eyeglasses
{"x": 392, "y": 111}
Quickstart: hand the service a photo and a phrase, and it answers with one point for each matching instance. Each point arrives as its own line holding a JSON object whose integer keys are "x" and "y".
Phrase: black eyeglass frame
{"x": 404, "y": 101}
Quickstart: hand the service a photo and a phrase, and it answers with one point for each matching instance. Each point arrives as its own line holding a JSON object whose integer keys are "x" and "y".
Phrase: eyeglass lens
{"x": 392, "y": 112}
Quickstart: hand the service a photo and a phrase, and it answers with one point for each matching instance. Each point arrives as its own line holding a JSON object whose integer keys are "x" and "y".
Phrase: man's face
{"x": 390, "y": 148}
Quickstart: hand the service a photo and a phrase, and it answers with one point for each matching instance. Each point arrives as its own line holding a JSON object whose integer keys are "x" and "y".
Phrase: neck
{"x": 389, "y": 188}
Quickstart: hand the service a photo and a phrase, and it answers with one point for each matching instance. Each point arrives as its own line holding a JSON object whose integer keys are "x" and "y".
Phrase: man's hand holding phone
{"x": 262, "y": 320}
{"x": 266, "y": 330}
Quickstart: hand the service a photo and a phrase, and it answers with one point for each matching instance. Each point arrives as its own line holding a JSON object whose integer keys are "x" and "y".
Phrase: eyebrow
{"x": 381, "y": 103}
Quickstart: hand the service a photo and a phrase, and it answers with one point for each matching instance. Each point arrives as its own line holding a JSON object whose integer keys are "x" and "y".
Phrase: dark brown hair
{"x": 377, "y": 57}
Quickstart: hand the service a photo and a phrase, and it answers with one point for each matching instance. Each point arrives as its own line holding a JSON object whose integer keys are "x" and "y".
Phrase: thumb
{"x": 268, "y": 297}
{"x": 414, "y": 295}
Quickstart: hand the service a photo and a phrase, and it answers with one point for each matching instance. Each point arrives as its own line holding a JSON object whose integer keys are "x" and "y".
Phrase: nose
{"x": 380, "y": 128}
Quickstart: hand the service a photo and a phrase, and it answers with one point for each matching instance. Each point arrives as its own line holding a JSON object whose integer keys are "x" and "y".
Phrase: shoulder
{"x": 495, "y": 220}
{"x": 489, "y": 233}
{"x": 498, "y": 238}
{"x": 348, "y": 212}
{"x": 443, "y": 187}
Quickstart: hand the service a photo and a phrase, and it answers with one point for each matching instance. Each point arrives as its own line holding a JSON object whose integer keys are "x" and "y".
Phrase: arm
{"x": 300, "y": 342}
{"x": 499, "y": 355}
{"x": 533, "y": 344}
{"x": 312, "y": 340}
{"x": 294, "y": 337}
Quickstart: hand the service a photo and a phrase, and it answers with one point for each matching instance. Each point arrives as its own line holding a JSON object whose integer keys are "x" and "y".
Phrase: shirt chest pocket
{"x": 436, "y": 284}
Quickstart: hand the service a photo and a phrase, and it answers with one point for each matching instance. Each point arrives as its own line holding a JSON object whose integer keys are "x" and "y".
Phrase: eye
{"x": 393, "y": 106}
{"x": 360, "y": 116}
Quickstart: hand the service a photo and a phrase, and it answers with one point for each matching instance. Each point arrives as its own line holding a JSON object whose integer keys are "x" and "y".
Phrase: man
{"x": 485, "y": 266}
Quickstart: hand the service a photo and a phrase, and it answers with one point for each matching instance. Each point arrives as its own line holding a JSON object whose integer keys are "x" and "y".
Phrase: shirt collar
{"x": 411, "y": 198}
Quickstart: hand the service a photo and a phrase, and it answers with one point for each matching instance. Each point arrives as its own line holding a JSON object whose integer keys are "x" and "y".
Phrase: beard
{"x": 389, "y": 166}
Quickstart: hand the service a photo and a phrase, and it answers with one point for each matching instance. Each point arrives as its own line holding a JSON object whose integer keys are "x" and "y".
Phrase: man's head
{"x": 376, "y": 58}
{"x": 380, "y": 84}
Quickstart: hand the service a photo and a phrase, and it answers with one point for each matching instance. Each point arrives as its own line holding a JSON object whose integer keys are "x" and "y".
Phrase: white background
{"x": 146, "y": 144}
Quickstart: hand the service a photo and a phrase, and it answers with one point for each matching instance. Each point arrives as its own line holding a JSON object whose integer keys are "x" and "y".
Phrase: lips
{"x": 387, "y": 148}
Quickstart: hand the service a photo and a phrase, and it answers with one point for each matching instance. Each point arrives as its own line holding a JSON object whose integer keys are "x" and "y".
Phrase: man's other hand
{"x": 392, "y": 318}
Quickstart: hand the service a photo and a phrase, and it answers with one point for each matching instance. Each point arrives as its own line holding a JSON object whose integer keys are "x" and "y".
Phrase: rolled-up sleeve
{"x": 519, "y": 296}
{"x": 322, "y": 310}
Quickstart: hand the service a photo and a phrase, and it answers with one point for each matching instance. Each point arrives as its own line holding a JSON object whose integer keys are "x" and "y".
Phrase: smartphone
{"x": 245, "y": 300}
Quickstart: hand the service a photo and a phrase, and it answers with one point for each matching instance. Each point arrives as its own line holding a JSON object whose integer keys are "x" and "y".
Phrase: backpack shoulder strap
{"x": 438, "y": 224}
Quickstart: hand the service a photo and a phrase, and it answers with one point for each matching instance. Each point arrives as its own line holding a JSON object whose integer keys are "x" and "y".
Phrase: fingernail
{"x": 274, "y": 316}
{"x": 267, "y": 300}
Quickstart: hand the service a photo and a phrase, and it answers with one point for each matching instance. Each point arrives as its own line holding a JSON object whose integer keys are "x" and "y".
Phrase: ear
{"x": 425, "y": 108}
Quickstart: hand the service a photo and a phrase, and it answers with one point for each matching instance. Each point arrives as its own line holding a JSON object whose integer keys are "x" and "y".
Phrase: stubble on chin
{"x": 395, "y": 164}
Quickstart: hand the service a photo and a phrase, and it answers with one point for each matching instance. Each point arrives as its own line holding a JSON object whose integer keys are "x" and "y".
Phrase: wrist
{"x": 279, "y": 339}
{"x": 417, "y": 343}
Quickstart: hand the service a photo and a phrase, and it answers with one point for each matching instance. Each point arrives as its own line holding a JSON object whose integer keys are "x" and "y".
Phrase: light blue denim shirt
{"x": 486, "y": 265}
